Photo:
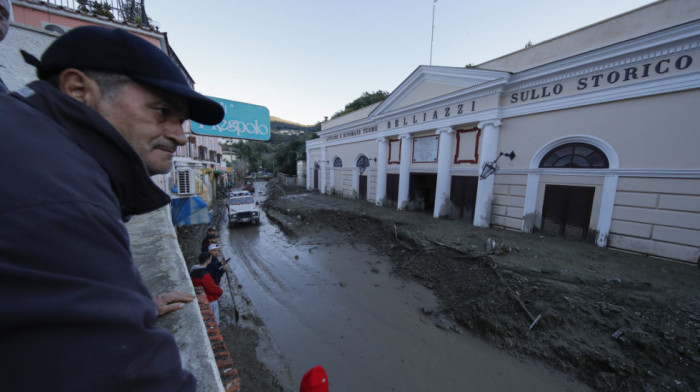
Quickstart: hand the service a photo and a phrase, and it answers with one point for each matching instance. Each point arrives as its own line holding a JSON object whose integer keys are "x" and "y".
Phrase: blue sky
{"x": 306, "y": 59}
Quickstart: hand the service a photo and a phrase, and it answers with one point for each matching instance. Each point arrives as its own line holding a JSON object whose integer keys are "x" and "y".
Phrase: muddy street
{"x": 322, "y": 299}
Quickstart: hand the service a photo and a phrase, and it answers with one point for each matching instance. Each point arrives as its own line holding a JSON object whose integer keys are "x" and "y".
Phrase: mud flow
{"x": 395, "y": 301}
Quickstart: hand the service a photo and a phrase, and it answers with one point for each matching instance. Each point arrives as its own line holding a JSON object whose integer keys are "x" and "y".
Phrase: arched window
{"x": 337, "y": 162}
{"x": 363, "y": 162}
{"x": 575, "y": 155}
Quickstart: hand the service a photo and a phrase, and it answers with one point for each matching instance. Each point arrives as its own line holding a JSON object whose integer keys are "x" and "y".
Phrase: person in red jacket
{"x": 201, "y": 277}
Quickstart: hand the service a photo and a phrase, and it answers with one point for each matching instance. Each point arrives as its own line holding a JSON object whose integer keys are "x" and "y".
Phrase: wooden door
{"x": 363, "y": 188}
{"x": 463, "y": 197}
{"x": 392, "y": 190}
{"x": 567, "y": 211}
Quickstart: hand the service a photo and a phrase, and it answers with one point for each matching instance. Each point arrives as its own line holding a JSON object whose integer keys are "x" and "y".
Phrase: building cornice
{"x": 637, "y": 90}
{"x": 674, "y": 41}
{"x": 645, "y": 173}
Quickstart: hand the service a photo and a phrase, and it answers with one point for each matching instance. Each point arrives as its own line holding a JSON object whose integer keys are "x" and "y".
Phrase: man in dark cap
{"x": 78, "y": 147}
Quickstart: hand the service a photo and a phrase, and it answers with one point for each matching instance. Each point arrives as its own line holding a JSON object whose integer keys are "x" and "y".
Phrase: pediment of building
{"x": 429, "y": 82}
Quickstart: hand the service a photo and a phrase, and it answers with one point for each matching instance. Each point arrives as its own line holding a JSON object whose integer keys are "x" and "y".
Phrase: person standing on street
{"x": 82, "y": 141}
{"x": 209, "y": 238}
{"x": 202, "y": 278}
{"x": 217, "y": 267}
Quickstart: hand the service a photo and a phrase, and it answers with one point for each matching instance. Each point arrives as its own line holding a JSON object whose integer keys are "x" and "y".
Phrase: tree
{"x": 365, "y": 99}
{"x": 96, "y": 8}
{"x": 280, "y": 154}
{"x": 134, "y": 12}
{"x": 289, "y": 152}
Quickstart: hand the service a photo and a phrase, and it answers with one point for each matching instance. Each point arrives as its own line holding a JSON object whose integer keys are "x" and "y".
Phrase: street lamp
{"x": 491, "y": 167}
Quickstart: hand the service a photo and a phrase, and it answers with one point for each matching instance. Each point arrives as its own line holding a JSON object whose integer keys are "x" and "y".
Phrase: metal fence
{"x": 119, "y": 10}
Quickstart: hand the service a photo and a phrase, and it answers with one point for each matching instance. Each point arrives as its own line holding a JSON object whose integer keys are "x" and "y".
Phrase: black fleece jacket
{"x": 74, "y": 312}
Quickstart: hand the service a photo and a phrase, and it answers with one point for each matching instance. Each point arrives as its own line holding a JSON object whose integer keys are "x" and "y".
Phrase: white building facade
{"x": 592, "y": 135}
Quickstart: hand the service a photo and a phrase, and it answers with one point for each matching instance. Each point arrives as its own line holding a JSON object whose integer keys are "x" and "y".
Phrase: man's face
{"x": 150, "y": 120}
{"x": 4, "y": 18}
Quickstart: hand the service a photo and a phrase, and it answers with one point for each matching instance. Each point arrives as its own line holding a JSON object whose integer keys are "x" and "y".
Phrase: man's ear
{"x": 76, "y": 84}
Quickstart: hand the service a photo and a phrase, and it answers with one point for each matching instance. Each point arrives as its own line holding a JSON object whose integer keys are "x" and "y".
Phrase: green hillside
{"x": 279, "y": 124}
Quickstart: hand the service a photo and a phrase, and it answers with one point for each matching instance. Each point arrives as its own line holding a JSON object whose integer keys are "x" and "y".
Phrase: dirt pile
{"x": 615, "y": 321}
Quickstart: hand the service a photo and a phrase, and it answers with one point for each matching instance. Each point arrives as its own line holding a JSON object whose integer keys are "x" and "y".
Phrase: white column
{"x": 404, "y": 170}
{"x": 484, "y": 191}
{"x": 382, "y": 159}
{"x": 530, "y": 204}
{"x": 309, "y": 166}
{"x": 333, "y": 171}
{"x": 356, "y": 182}
{"x": 607, "y": 202}
{"x": 323, "y": 170}
{"x": 442, "y": 188}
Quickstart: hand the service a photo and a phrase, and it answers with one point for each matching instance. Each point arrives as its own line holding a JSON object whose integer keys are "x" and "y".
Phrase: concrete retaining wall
{"x": 162, "y": 266}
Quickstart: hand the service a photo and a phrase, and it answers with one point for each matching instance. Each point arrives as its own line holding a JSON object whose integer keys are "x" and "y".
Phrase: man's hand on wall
{"x": 172, "y": 301}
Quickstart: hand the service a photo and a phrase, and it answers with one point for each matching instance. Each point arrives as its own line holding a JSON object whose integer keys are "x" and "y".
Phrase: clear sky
{"x": 306, "y": 59}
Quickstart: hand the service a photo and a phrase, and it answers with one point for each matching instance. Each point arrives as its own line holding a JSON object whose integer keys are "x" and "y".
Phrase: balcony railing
{"x": 118, "y": 10}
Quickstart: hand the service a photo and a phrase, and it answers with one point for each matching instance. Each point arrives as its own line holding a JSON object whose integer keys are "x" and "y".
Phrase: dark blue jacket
{"x": 216, "y": 269}
{"x": 74, "y": 312}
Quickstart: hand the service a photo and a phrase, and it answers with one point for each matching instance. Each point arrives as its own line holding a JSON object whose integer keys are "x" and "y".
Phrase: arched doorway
{"x": 566, "y": 210}
{"x": 362, "y": 165}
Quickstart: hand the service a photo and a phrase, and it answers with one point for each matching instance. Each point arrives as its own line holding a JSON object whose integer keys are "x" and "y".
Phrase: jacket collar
{"x": 131, "y": 183}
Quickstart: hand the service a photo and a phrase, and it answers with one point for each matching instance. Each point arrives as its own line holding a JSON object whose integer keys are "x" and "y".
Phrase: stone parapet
{"x": 162, "y": 266}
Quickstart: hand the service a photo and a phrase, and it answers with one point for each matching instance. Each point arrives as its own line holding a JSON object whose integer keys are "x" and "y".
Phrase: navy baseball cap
{"x": 118, "y": 51}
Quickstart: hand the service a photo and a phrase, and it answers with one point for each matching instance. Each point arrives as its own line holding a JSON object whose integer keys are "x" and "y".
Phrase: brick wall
{"x": 229, "y": 374}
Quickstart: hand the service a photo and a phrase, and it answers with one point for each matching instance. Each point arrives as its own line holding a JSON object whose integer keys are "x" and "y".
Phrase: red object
{"x": 315, "y": 380}
{"x": 202, "y": 279}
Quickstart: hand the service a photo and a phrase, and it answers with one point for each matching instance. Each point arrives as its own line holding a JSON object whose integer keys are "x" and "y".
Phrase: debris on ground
{"x": 615, "y": 321}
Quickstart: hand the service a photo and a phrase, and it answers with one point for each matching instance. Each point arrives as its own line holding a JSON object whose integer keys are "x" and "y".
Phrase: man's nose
{"x": 176, "y": 132}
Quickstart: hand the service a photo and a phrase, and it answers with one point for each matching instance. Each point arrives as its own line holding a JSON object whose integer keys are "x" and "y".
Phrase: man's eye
{"x": 165, "y": 112}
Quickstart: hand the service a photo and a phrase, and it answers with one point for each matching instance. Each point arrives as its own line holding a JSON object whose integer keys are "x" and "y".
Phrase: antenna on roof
{"x": 432, "y": 33}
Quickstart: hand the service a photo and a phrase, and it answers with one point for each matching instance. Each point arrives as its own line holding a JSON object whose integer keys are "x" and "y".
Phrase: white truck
{"x": 242, "y": 207}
